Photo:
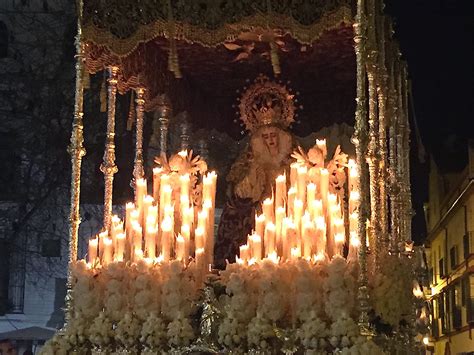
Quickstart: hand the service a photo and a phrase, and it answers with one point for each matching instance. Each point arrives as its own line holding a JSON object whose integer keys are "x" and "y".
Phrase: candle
{"x": 294, "y": 173}
{"x": 209, "y": 185}
{"x": 180, "y": 248}
{"x": 147, "y": 203}
{"x": 320, "y": 235}
{"x": 308, "y": 236}
{"x": 102, "y": 236}
{"x": 354, "y": 244}
{"x": 200, "y": 260}
{"x": 255, "y": 242}
{"x": 353, "y": 175}
{"x": 268, "y": 209}
{"x": 108, "y": 251}
{"x": 298, "y": 214}
{"x": 156, "y": 182}
{"x": 339, "y": 239}
{"x": 150, "y": 240}
{"x": 188, "y": 217}
{"x": 118, "y": 256}
{"x": 301, "y": 183}
{"x": 136, "y": 237}
{"x": 291, "y": 200}
{"x": 186, "y": 234}
{"x": 353, "y": 221}
{"x": 129, "y": 207}
{"x": 140, "y": 192}
{"x": 295, "y": 253}
{"x": 260, "y": 224}
{"x": 291, "y": 237}
{"x": 269, "y": 238}
{"x": 324, "y": 186}
{"x": 92, "y": 250}
{"x": 165, "y": 194}
{"x": 138, "y": 255}
{"x": 273, "y": 257}
{"x": 317, "y": 209}
{"x": 166, "y": 235}
{"x": 321, "y": 144}
{"x": 280, "y": 191}
{"x": 280, "y": 214}
{"x": 244, "y": 253}
{"x": 199, "y": 238}
{"x": 354, "y": 198}
{"x": 310, "y": 196}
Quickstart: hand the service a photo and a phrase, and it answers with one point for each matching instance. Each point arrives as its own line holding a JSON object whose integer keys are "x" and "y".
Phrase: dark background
{"x": 437, "y": 40}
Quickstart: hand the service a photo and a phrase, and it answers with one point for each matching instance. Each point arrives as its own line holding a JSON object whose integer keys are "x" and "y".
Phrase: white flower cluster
{"x": 392, "y": 290}
{"x": 124, "y": 304}
{"x": 297, "y": 295}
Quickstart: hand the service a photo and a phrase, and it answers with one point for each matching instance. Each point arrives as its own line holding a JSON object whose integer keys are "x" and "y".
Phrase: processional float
{"x": 323, "y": 272}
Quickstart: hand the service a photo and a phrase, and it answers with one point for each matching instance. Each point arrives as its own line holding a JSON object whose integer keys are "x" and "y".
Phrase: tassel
{"x": 131, "y": 112}
{"x": 275, "y": 59}
{"x": 103, "y": 97}
{"x": 86, "y": 80}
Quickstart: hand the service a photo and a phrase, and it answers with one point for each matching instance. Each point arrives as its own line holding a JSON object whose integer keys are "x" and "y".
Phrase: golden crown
{"x": 266, "y": 102}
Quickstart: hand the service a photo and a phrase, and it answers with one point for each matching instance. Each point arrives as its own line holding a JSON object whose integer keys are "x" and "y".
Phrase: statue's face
{"x": 270, "y": 137}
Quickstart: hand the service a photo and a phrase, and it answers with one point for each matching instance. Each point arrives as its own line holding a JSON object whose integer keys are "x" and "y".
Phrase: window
{"x": 4, "y": 37}
{"x": 453, "y": 257}
{"x": 51, "y": 248}
{"x": 442, "y": 271}
{"x": 466, "y": 246}
{"x": 454, "y": 294}
{"x": 470, "y": 299}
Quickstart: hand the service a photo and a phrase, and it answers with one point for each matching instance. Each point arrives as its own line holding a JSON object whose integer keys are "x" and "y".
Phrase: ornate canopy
{"x": 218, "y": 45}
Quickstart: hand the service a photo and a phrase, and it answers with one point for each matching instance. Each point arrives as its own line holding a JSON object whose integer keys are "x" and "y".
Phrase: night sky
{"x": 437, "y": 40}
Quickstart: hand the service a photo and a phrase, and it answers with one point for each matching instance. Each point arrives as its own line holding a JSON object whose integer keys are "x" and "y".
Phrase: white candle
{"x": 118, "y": 256}
{"x": 199, "y": 238}
{"x": 308, "y": 236}
{"x": 298, "y": 215}
{"x": 280, "y": 191}
{"x": 244, "y": 253}
{"x": 291, "y": 201}
{"x": 150, "y": 241}
{"x": 310, "y": 196}
{"x": 180, "y": 248}
{"x": 321, "y": 144}
{"x": 339, "y": 239}
{"x": 321, "y": 237}
{"x": 268, "y": 209}
{"x": 108, "y": 251}
{"x": 166, "y": 235}
{"x": 301, "y": 183}
{"x": 255, "y": 242}
{"x": 147, "y": 203}
{"x": 354, "y": 198}
{"x": 324, "y": 186}
{"x": 165, "y": 193}
{"x": 260, "y": 224}
{"x": 294, "y": 173}
{"x": 129, "y": 207}
{"x": 280, "y": 214}
{"x": 186, "y": 234}
{"x": 354, "y": 244}
{"x": 156, "y": 182}
{"x": 184, "y": 181}
{"x": 295, "y": 253}
{"x": 92, "y": 250}
{"x": 140, "y": 192}
{"x": 136, "y": 238}
{"x": 269, "y": 238}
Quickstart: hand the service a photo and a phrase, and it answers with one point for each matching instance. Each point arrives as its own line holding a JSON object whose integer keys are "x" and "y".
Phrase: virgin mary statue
{"x": 266, "y": 109}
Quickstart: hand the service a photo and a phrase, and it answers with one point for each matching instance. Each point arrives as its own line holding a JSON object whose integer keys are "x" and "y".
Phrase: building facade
{"x": 450, "y": 257}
